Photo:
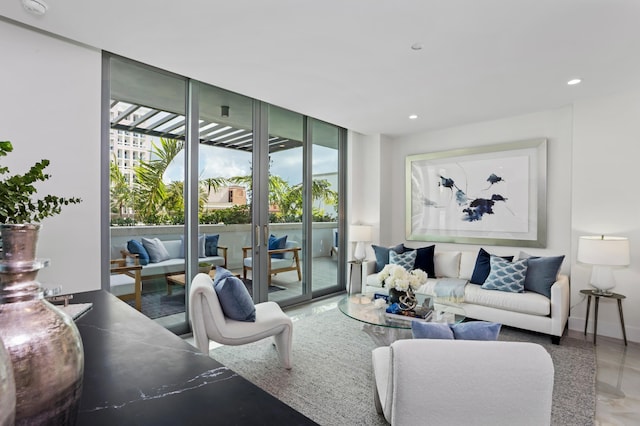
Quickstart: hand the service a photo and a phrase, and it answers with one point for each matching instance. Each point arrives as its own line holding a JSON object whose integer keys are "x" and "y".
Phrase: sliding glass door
{"x": 201, "y": 176}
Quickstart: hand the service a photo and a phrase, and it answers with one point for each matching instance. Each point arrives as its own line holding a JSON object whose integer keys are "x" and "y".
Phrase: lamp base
{"x": 600, "y": 292}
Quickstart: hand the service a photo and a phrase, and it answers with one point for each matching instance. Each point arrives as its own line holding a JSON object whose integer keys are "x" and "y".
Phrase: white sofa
{"x": 463, "y": 382}
{"x": 528, "y": 310}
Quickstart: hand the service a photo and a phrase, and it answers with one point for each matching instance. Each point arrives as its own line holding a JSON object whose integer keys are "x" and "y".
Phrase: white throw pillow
{"x": 447, "y": 264}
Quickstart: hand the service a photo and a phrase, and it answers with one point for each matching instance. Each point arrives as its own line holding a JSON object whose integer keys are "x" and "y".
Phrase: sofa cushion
{"x": 201, "y": 244}
{"x": 382, "y": 254}
{"x": 447, "y": 264}
{"x": 431, "y": 330}
{"x": 526, "y": 303}
{"x": 234, "y": 297}
{"x": 506, "y": 276}
{"x": 424, "y": 259}
{"x": 276, "y": 243}
{"x": 155, "y": 248}
{"x": 476, "y": 330}
{"x": 136, "y": 247}
{"x": 467, "y": 264}
{"x": 483, "y": 266}
{"x": 211, "y": 245}
{"x": 406, "y": 259}
{"x": 541, "y": 273}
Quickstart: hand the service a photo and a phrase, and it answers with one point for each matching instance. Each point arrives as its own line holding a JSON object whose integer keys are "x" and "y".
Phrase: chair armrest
{"x": 560, "y": 300}
{"x": 285, "y": 250}
{"x": 126, "y": 254}
{"x": 224, "y": 249}
{"x": 368, "y": 268}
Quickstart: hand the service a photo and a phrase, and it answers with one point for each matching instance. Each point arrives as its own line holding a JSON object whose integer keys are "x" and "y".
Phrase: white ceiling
{"x": 350, "y": 62}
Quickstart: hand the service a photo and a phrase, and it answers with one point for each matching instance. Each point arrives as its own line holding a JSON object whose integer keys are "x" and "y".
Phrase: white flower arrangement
{"x": 395, "y": 276}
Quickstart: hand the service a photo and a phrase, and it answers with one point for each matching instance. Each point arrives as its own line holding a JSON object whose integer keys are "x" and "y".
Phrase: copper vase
{"x": 44, "y": 343}
{"x": 7, "y": 389}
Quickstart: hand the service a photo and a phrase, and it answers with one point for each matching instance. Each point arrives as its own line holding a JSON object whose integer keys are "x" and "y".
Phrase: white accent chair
{"x": 463, "y": 382}
{"x": 209, "y": 323}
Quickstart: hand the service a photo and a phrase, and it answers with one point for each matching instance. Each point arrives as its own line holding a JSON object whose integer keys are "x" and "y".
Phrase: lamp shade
{"x": 360, "y": 233}
{"x": 601, "y": 250}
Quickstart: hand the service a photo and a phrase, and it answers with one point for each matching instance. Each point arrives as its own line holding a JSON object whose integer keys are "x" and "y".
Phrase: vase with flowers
{"x": 43, "y": 343}
{"x": 402, "y": 284}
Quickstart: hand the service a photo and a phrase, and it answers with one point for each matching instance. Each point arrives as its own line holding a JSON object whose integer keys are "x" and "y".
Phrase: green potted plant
{"x": 204, "y": 267}
{"x": 16, "y": 204}
{"x": 43, "y": 343}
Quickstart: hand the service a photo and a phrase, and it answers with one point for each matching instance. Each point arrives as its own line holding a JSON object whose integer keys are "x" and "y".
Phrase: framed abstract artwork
{"x": 494, "y": 195}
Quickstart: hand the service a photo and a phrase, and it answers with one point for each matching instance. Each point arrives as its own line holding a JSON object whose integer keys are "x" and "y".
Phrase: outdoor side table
{"x": 597, "y": 296}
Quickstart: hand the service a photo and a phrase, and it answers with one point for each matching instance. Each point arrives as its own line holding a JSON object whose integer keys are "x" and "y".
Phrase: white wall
{"x": 606, "y": 173}
{"x": 50, "y": 108}
{"x": 554, "y": 125}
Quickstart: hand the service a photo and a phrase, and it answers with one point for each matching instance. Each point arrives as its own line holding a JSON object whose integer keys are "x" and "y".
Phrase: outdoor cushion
{"x": 136, "y": 247}
{"x": 155, "y": 248}
{"x": 211, "y": 245}
{"x": 276, "y": 243}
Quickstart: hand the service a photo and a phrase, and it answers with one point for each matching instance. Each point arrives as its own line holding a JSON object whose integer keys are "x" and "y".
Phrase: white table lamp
{"x": 359, "y": 234}
{"x": 603, "y": 253}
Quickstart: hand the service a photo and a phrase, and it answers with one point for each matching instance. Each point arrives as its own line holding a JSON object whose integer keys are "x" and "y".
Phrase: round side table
{"x": 597, "y": 296}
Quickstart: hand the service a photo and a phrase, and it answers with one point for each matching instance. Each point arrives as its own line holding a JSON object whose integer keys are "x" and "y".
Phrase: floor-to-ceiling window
{"x": 189, "y": 163}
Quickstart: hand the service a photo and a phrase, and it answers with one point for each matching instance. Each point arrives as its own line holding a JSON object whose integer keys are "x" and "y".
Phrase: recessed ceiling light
{"x": 413, "y": 117}
{"x": 37, "y": 7}
{"x": 574, "y": 81}
{"x": 416, "y": 46}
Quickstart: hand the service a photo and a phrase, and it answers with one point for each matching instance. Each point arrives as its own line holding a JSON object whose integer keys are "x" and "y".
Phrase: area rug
{"x": 159, "y": 304}
{"x": 331, "y": 381}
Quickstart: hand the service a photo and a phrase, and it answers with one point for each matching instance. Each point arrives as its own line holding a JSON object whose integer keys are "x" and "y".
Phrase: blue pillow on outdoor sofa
{"x": 476, "y": 330}
{"x": 136, "y": 247}
{"x": 276, "y": 243}
{"x": 235, "y": 301}
{"x": 211, "y": 245}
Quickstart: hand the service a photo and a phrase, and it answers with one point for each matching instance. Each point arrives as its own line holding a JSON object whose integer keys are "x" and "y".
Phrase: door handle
{"x": 257, "y": 235}
{"x": 266, "y": 235}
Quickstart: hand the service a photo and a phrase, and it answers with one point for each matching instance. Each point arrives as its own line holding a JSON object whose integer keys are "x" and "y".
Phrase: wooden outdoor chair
{"x": 126, "y": 275}
{"x": 289, "y": 262}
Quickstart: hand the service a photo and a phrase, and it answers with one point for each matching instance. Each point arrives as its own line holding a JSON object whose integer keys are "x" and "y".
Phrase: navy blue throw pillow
{"x": 483, "y": 267}
{"x": 424, "y": 259}
{"x": 136, "y": 247}
{"x": 277, "y": 243}
{"x": 211, "y": 245}
{"x": 382, "y": 254}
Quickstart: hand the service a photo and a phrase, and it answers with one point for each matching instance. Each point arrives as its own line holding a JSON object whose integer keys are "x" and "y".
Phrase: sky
{"x": 226, "y": 163}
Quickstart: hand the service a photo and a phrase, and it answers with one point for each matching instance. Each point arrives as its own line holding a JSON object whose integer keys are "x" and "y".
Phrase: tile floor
{"x": 617, "y": 381}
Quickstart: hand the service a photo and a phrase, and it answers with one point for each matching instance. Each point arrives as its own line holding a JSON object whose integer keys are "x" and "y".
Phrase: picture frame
{"x": 492, "y": 195}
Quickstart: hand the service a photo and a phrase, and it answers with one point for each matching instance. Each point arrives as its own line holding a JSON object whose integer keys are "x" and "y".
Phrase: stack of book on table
{"x": 422, "y": 315}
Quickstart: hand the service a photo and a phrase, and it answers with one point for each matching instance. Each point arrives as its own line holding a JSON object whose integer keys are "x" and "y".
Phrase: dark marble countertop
{"x": 138, "y": 373}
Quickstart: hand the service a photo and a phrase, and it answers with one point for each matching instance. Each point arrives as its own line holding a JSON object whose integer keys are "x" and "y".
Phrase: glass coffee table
{"x": 362, "y": 308}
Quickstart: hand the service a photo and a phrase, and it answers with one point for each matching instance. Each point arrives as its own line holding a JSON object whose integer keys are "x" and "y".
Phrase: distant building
{"x": 225, "y": 197}
{"x": 128, "y": 148}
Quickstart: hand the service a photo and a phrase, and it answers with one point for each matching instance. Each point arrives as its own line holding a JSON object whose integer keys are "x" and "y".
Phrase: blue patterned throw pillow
{"x": 506, "y": 276}
{"x": 406, "y": 259}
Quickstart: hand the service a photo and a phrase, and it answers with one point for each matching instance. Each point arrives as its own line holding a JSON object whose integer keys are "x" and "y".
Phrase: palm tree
{"x": 120, "y": 192}
{"x": 151, "y": 191}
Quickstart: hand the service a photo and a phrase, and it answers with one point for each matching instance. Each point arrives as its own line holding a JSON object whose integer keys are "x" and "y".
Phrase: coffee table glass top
{"x": 361, "y": 307}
